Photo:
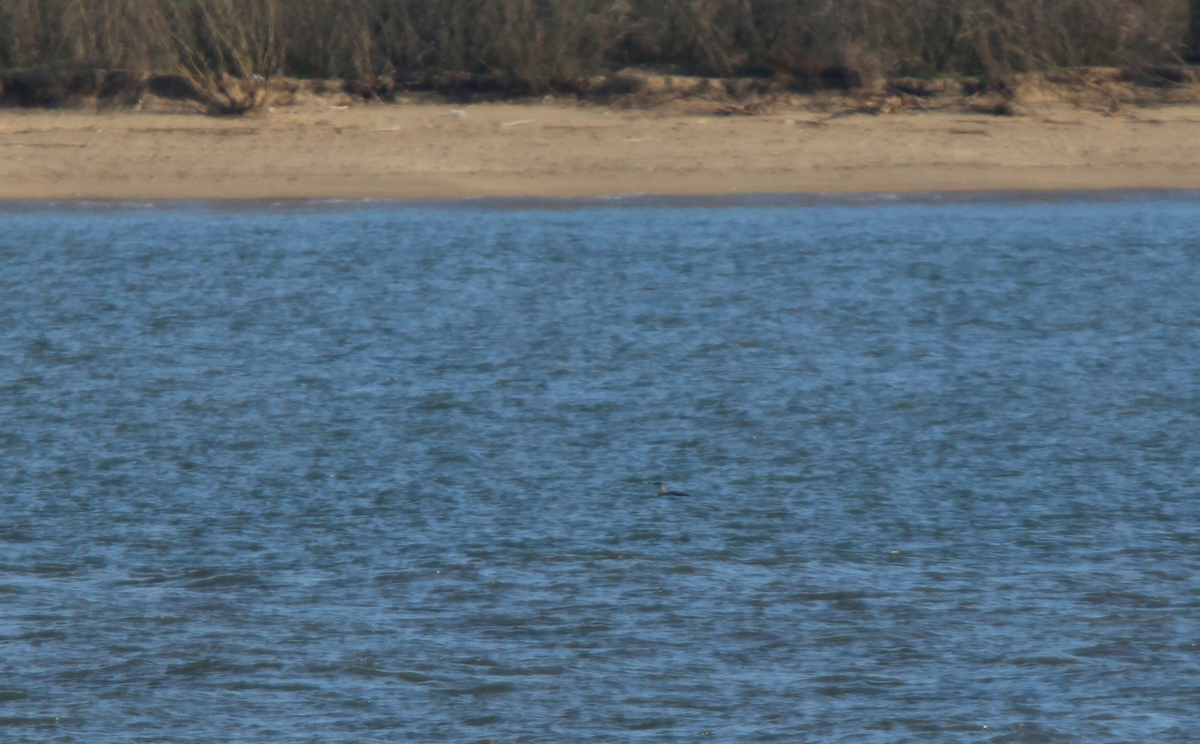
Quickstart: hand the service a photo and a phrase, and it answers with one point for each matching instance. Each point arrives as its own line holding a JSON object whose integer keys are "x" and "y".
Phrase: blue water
{"x": 376, "y": 473}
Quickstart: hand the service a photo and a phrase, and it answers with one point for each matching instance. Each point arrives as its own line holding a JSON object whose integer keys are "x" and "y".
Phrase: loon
{"x": 662, "y": 490}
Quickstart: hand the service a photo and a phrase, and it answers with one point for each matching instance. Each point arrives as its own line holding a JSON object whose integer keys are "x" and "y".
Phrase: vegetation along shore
{"x": 403, "y": 98}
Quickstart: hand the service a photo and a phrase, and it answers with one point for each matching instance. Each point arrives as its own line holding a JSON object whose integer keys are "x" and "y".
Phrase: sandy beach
{"x": 426, "y": 150}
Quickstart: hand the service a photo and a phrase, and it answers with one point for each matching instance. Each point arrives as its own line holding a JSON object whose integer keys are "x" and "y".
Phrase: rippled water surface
{"x": 384, "y": 473}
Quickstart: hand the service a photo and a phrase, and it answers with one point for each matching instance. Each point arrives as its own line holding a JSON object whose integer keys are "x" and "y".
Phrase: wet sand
{"x": 421, "y": 150}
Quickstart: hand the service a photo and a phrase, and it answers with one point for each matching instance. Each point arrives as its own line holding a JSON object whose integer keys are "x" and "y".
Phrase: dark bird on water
{"x": 662, "y": 490}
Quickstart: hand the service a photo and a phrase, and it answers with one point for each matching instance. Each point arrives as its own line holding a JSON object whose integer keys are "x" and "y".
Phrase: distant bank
{"x": 226, "y": 50}
{"x": 330, "y": 146}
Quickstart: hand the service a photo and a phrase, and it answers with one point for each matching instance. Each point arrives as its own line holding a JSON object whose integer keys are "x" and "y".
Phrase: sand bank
{"x": 424, "y": 150}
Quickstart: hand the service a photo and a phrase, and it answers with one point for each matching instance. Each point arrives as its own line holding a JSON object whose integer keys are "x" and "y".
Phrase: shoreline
{"x": 765, "y": 200}
{"x": 531, "y": 150}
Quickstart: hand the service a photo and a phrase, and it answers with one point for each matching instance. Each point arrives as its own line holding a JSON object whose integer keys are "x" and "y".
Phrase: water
{"x": 378, "y": 473}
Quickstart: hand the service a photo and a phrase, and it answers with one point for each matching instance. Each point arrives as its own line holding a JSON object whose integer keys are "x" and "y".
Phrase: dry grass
{"x": 229, "y": 50}
{"x": 753, "y": 107}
